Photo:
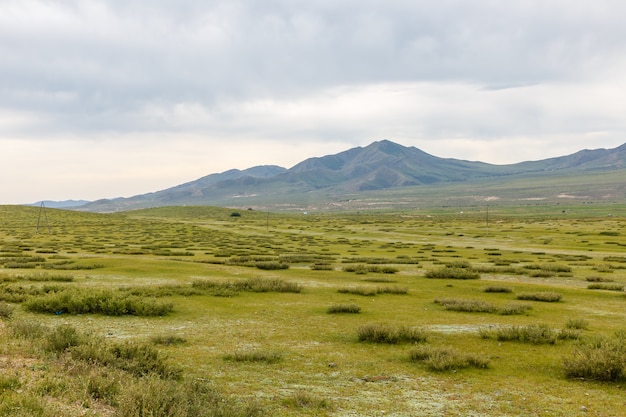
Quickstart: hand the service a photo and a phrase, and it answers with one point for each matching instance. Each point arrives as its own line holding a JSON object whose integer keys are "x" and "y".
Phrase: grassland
{"x": 206, "y": 311}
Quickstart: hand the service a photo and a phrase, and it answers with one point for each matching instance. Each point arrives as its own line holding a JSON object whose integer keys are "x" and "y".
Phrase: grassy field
{"x": 184, "y": 311}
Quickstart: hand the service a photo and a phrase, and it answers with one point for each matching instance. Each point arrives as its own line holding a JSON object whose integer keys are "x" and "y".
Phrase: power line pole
{"x": 42, "y": 208}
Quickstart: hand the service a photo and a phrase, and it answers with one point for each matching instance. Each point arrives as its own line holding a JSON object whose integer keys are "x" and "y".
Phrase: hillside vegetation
{"x": 205, "y": 311}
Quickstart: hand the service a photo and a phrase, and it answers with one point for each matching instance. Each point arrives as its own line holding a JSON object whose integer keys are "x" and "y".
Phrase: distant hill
{"x": 387, "y": 170}
{"x": 60, "y": 204}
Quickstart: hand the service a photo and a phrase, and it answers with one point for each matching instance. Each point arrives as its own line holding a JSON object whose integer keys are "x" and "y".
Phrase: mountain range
{"x": 385, "y": 174}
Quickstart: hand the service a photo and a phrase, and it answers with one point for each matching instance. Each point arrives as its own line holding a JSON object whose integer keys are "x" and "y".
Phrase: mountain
{"x": 384, "y": 170}
{"x": 60, "y": 204}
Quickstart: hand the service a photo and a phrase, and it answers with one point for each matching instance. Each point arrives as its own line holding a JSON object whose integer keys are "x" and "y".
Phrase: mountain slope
{"x": 380, "y": 166}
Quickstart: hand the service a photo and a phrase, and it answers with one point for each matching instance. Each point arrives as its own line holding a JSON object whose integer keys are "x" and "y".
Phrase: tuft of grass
{"x": 446, "y": 359}
{"x": 543, "y": 296}
{"x": 343, "y": 308}
{"x": 382, "y": 333}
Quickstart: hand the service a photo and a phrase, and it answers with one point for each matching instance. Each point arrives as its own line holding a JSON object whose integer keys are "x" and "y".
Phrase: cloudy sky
{"x": 108, "y": 98}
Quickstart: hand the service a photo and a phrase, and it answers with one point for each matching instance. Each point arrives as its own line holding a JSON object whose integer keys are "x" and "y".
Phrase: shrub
{"x": 138, "y": 359}
{"x": 378, "y": 279}
{"x": 343, "y": 308}
{"x": 153, "y": 397}
{"x": 271, "y": 266}
{"x": 453, "y": 273}
{"x": 321, "y": 266}
{"x": 167, "y": 339}
{"x": 545, "y": 296}
{"x": 47, "y": 277}
{"x": 61, "y": 338}
{"x": 598, "y": 279}
{"x": 536, "y": 334}
{"x": 446, "y": 359}
{"x": 381, "y": 333}
{"x": 366, "y": 291}
{"x": 6, "y": 310}
{"x": 466, "y": 305}
{"x": 498, "y": 289}
{"x": 605, "y": 286}
{"x": 357, "y": 269}
{"x": 600, "y": 358}
{"x": 254, "y": 356}
{"x": 303, "y": 399}
{"x": 267, "y": 285}
{"x": 393, "y": 289}
{"x": 458, "y": 264}
{"x": 83, "y": 301}
{"x": 569, "y": 334}
{"x": 513, "y": 309}
{"x": 580, "y": 324}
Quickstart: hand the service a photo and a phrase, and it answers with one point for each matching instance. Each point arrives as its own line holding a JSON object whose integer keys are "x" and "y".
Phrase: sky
{"x": 114, "y": 98}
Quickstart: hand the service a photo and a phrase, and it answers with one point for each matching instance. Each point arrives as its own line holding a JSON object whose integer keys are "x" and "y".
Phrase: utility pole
{"x": 42, "y": 208}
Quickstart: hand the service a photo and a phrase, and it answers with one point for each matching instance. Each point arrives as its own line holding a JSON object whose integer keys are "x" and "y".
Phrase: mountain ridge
{"x": 378, "y": 167}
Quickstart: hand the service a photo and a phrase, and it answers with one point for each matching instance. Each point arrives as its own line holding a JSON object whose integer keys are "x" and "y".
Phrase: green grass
{"x": 262, "y": 342}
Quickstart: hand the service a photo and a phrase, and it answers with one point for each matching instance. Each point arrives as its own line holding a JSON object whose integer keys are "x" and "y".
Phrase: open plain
{"x": 180, "y": 311}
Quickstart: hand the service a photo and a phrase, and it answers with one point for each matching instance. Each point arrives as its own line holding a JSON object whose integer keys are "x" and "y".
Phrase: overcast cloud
{"x": 101, "y": 99}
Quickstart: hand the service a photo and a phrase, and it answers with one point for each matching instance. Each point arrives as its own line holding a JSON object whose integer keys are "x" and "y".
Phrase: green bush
{"x": 343, "y": 308}
{"x": 365, "y": 291}
{"x": 267, "y": 285}
{"x": 61, "y": 338}
{"x": 153, "y": 397}
{"x": 167, "y": 339}
{"x": 605, "y": 286}
{"x": 392, "y": 289}
{"x": 599, "y": 358}
{"x": 27, "y": 329}
{"x": 107, "y": 302}
{"x": 579, "y": 324}
{"x": 305, "y": 400}
{"x": 381, "y": 333}
{"x": 453, "y": 273}
{"x": 498, "y": 289}
{"x": 254, "y": 356}
{"x": 446, "y": 359}
{"x": 138, "y": 359}
{"x": 536, "y": 334}
{"x": 271, "y": 266}
{"x": 544, "y": 296}
{"x": 6, "y": 310}
{"x": 481, "y": 306}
